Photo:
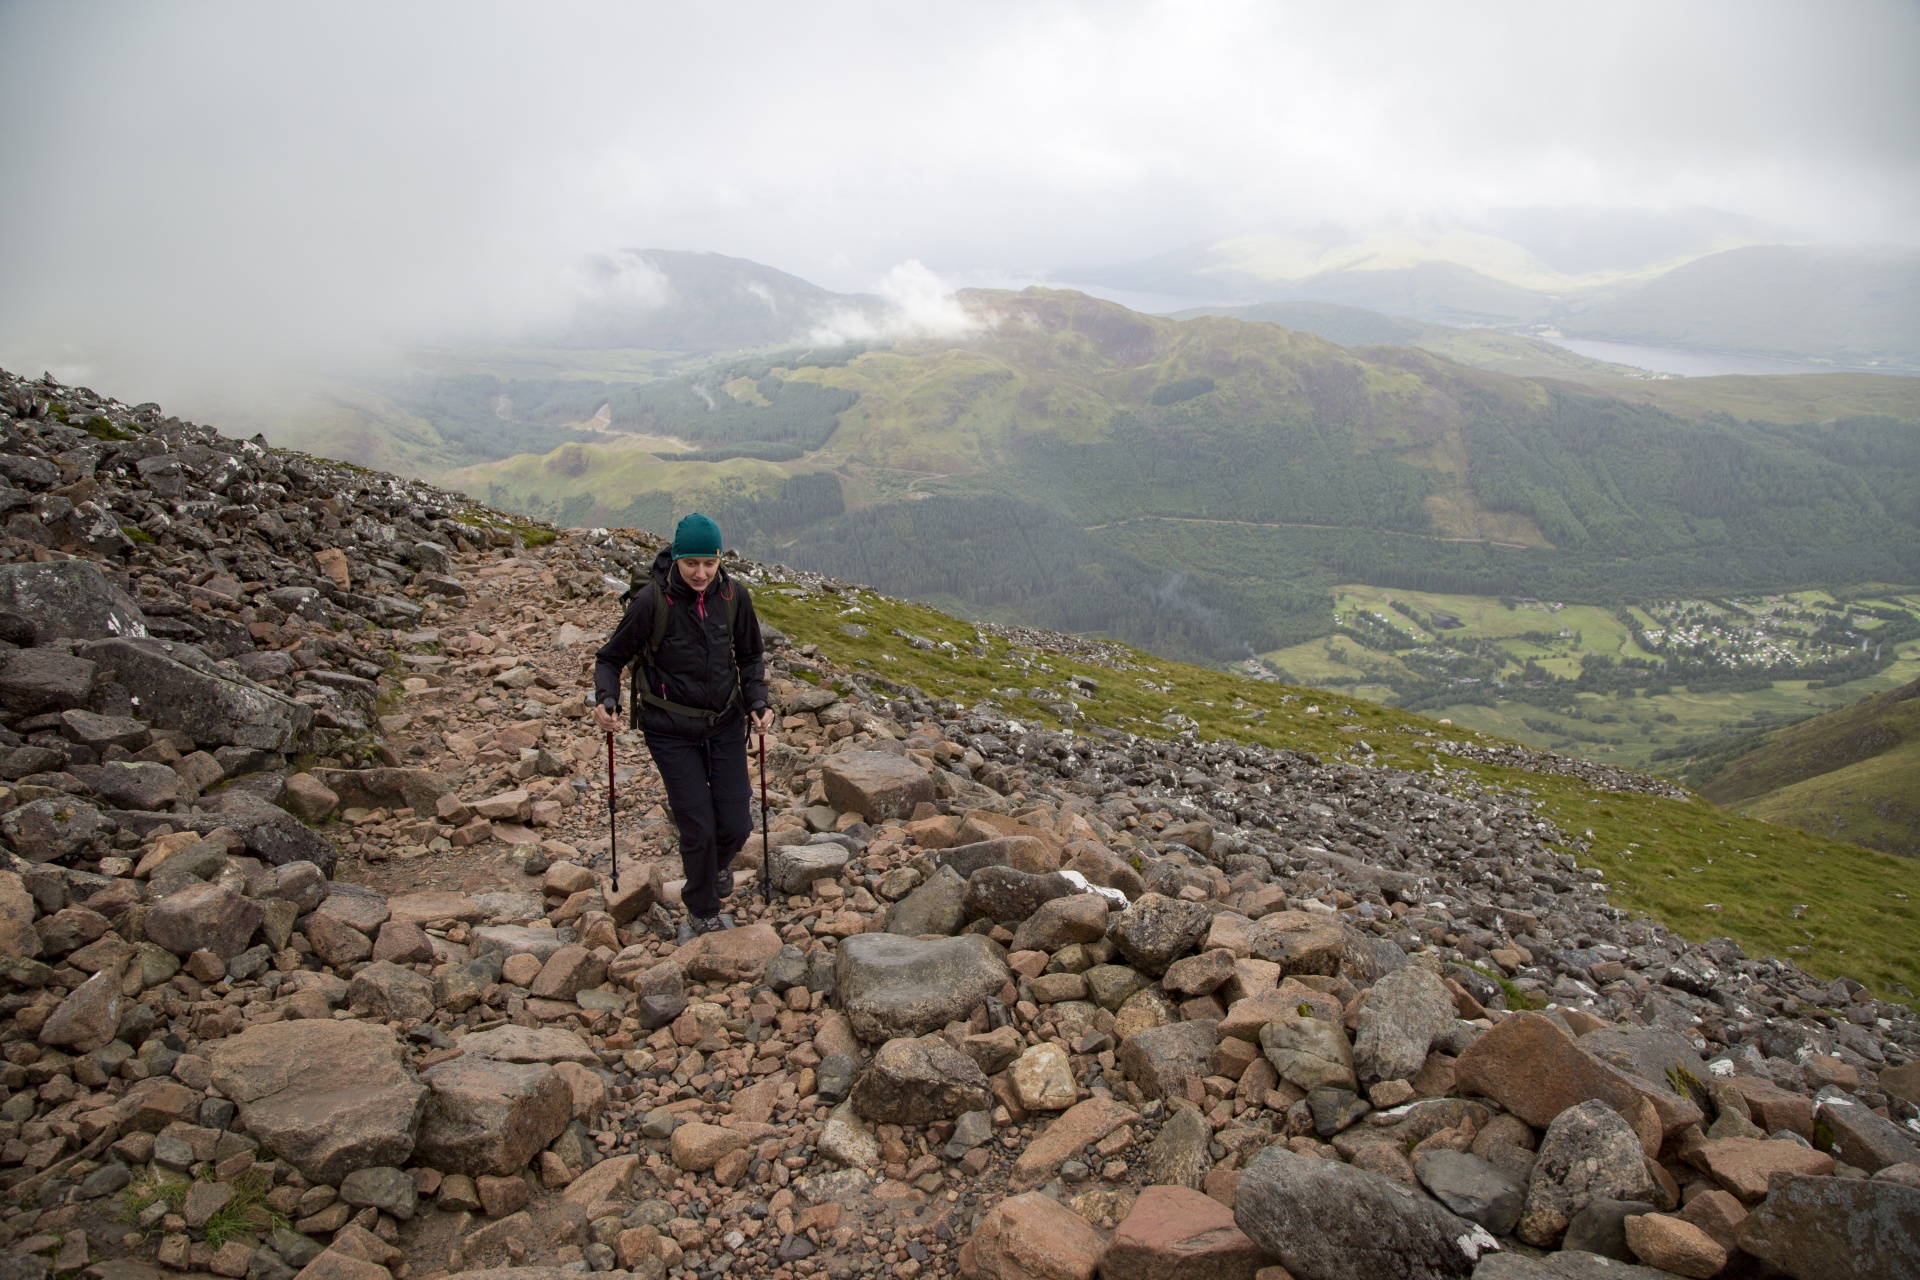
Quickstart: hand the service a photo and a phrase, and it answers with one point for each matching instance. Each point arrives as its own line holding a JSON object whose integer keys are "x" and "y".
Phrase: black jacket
{"x": 697, "y": 660}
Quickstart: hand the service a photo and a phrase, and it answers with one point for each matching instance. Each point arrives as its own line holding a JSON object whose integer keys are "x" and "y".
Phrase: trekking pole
{"x": 766, "y": 851}
{"x": 613, "y": 822}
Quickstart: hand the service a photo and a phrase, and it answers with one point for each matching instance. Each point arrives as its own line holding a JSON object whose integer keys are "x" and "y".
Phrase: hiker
{"x": 697, "y": 677}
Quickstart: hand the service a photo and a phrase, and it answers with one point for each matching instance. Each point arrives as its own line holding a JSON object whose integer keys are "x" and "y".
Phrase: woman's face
{"x": 698, "y": 572}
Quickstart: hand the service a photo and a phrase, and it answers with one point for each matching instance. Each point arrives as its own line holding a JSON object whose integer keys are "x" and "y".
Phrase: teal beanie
{"x": 696, "y": 535}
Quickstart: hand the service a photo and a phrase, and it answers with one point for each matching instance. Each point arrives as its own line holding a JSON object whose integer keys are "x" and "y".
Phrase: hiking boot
{"x": 723, "y": 883}
{"x": 698, "y": 926}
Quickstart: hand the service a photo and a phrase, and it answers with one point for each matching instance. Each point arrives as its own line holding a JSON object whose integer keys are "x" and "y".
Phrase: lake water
{"x": 1689, "y": 363}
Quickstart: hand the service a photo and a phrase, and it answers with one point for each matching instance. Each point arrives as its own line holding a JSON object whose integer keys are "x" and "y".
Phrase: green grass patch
{"x": 1517, "y": 998}
{"x": 247, "y": 1215}
{"x": 151, "y": 1189}
{"x": 1831, "y": 907}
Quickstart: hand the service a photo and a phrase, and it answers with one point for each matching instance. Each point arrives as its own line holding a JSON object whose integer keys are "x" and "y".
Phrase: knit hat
{"x": 696, "y": 535}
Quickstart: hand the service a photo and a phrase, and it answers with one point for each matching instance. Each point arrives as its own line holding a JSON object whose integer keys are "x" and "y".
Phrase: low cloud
{"x": 917, "y": 303}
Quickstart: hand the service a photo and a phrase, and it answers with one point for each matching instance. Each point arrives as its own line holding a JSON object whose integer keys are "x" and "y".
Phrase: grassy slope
{"x": 1696, "y": 716}
{"x": 1858, "y": 911}
{"x": 1853, "y": 773}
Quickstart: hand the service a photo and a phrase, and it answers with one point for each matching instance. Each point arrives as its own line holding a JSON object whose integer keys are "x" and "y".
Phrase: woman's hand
{"x": 763, "y": 720}
{"x": 605, "y": 720}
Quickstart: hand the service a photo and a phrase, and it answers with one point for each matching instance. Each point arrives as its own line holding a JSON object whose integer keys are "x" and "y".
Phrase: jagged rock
{"x": 1535, "y": 1070}
{"x": 1589, "y": 1153}
{"x": 1062, "y": 921}
{"x": 204, "y": 917}
{"x": 382, "y": 1187}
{"x": 416, "y": 789}
{"x": 1155, "y": 930}
{"x": 484, "y": 1116}
{"x": 938, "y": 906}
{"x": 1816, "y": 1228}
{"x": 54, "y": 830}
{"x": 529, "y": 1044}
{"x": 89, "y": 1017}
{"x": 1112, "y": 985}
{"x": 183, "y": 690}
{"x": 307, "y": 798}
{"x": 386, "y": 992}
{"x": 1299, "y": 942}
{"x": 1324, "y": 1220}
{"x": 1405, "y": 1013}
{"x": 1178, "y": 1156}
{"x": 1865, "y": 1140}
{"x": 1309, "y": 1053}
{"x": 100, "y": 732}
{"x": 1175, "y": 1233}
{"x": 326, "y": 1097}
{"x": 1601, "y": 1227}
{"x": 892, "y": 986}
{"x": 1007, "y": 896}
{"x": 845, "y": 1139}
{"x": 1162, "y": 1059}
{"x": 17, "y": 936}
{"x": 796, "y": 867}
{"x": 36, "y": 681}
{"x": 1471, "y": 1187}
{"x": 1022, "y": 853}
{"x": 137, "y": 784}
{"x": 1031, "y": 1237}
{"x": 1671, "y": 1244}
{"x": 917, "y": 1080}
{"x": 69, "y": 599}
{"x": 1043, "y": 1079}
{"x": 875, "y": 784}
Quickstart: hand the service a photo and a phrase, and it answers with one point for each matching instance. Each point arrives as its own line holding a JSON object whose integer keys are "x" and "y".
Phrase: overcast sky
{"x": 188, "y": 185}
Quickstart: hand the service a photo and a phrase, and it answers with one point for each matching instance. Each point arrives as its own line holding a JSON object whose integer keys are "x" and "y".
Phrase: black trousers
{"x": 712, "y": 800}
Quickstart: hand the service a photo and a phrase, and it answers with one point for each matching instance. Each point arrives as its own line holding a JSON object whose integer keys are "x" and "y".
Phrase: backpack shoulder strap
{"x": 658, "y": 632}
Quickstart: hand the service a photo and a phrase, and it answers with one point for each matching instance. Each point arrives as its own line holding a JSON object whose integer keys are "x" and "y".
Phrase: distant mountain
{"x": 671, "y": 300}
{"x": 1690, "y": 282}
{"x": 1853, "y": 774}
{"x": 1851, "y": 307}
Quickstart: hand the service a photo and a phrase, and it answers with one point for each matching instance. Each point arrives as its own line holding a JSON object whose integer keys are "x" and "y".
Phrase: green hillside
{"x": 1832, "y": 906}
{"x": 1852, "y": 773}
{"x": 1106, "y": 471}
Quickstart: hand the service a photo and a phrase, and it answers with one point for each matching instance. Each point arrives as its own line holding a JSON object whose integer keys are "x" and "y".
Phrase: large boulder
{"x": 1590, "y": 1153}
{"x": 388, "y": 992}
{"x": 1156, "y": 930}
{"x": 918, "y": 1080}
{"x": 1309, "y": 1053}
{"x": 1006, "y": 895}
{"x": 1324, "y": 1220}
{"x": 35, "y": 681}
{"x": 1836, "y": 1229}
{"x": 204, "y": 917}
{"x": 875, "y": 784}
{"x": 17, "y": 935}
{"x": 1534, "y": 1069}
{"x": 69, "y": 599}
{"x": 794, "y": 868}
{"x": 416, "y": 789}
{"x": 1405, "y": 1013}
{"x": 327, "y": 1097}
{"x": 1162, "y": 1059}
{"x": 89, "y": 1017}
{"x": 488, "y": 1117}
{"x": 1299, "y": 942}
{"x": 1031, "y": 1237}
{"x": 892, "y": 986}
{"x": 180, "y": 688}
{"x": 55, "y": 830}
{"x": 938, "y": 907}
{"x": 1175, "y": 1233}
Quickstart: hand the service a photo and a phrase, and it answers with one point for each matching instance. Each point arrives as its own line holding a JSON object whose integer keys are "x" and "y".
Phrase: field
{"x": 1832, "y": 907}
{"x": 1556, "y": 638}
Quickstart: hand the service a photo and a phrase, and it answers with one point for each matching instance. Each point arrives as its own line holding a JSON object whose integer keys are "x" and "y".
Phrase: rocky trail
{"x": 311, "y": 963}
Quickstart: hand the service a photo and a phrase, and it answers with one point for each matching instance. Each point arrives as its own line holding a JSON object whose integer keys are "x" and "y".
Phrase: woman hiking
{"x": 698, "y": 676}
